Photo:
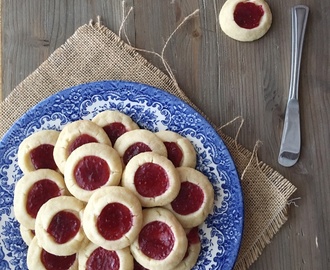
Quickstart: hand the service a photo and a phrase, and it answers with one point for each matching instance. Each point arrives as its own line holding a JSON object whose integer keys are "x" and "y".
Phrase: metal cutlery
{"x": 291, "y": 139}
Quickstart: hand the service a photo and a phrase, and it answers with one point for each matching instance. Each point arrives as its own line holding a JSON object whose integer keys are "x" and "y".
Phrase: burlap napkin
{"x": 95, "y": 53}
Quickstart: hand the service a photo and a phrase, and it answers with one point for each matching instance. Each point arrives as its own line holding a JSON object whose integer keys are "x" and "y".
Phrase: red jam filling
{"x": 114, "y": 221}
{"x": 63, "y": 226}
{"x": 193, "y": 236}
{"x": 40, "y": 192}
{"x": 102, "y": 259}
{"x": 156, "y": 240}
{"x": 114, "y": 131}
{"x": 53, "y": 262}
{"x": 135, "y": 149}
{"x": 91, "y": 172}
{"x": 81, "y": 140}
{"x": 174, "y": 153}
{"x": 151, "y": 180}
{"x": 248, "y": 15}
{"x": 42, "y": 157}
{"x": 138, "y": 266}
{"x": 189, "y": 200}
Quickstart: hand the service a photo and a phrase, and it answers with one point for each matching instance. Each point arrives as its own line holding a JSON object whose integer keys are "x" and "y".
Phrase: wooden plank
{"x": 30, "y": 37}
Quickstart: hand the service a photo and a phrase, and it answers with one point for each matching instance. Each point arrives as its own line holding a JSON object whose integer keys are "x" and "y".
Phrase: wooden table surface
{"x": 224, "y": 78}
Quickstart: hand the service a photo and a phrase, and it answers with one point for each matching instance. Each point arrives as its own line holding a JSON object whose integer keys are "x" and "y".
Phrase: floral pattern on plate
{"x": 152, "y": 109}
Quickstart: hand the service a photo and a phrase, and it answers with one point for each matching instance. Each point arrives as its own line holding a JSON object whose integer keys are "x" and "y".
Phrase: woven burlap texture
{"x": 95, "y": 53}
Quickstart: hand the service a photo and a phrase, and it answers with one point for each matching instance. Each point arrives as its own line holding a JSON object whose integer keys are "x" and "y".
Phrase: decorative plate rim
{"x": 150, "y": 90}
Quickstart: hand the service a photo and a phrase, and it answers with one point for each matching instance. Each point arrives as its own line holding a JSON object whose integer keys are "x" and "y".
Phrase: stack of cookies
{"x": 107, "y": 194}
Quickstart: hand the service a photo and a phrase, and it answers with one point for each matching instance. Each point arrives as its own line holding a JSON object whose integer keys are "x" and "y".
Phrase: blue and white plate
{"x": 152, "y": 109}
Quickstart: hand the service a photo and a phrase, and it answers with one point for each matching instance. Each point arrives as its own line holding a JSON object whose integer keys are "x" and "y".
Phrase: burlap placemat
{"x": 95, "y": 53}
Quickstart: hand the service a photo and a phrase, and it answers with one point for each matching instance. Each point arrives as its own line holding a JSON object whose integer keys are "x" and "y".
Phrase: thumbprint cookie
{"x": 58, "y": 226}
{"x": 74, "y": 135}
{"x": 152, "y": 178}
{"x": 36, "y": 151}
{"x": 179, "y": 149}
{"x": 112, "y": 218}
{"x": 193, "y": 250}
{"x": 114, "y": 123}
{"x": 162, "y": 242}
{"x": 195, "y": 199}
{"x": 96, "y": 257}
{"x": 245, "y": 20}
{"x": 138, "y": 141}
{"x": 38, "y": 258}
{"x": 90, "y": 167}
{"x": 32, "y": 191}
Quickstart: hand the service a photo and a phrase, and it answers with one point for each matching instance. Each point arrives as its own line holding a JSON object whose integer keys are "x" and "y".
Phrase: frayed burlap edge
{"x": 247, "y": 256}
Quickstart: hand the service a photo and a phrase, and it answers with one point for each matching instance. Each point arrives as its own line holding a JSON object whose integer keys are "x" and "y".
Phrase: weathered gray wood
{"x": 224, "y": 78}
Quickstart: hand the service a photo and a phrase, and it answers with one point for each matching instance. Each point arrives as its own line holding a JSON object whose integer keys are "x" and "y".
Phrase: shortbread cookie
{"x": 38, "y": 258}
{"x": 162, "y": 242}
{"x": 76, "y": 134}
{"x": 58, "y": 226}
{"x": 114, "y": 123}
{"x": 36, "y": 151}
{"x": 195, "y": 199}
{"x": 112, "y": 218}
{"x": 138, "y": 141}
{"x": 27, "y": 234}
{"x": 90, "y": 167}
{"x": 193, "y": 250}
{"x": 96, "y": 257}
{"x": 179, "y": 149}
{"x": 32, "y": 191}
{"x": 153, "y": 179}
{"x": 245, "y": 20}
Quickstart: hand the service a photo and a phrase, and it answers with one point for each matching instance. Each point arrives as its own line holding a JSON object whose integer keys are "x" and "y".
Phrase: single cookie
{"x": 90, "y": 167}
{"x": 179, "y": 149}
{"x": 195, "y": 199}
{"x": 114, "y": 123}
{"x": 38, "y": 258}
{"x": 245, "y": 20}
{"x": 32, "y": 191}
{"x": 193, "y": 250}
{"x": 112, "y": 218}
{"x": 96, "y": 257}
{"x": 162, "y": 242}
{"x": 36, "y": 151}
{"x": 138, "y": 141}
{"x": 76, "y": 134}
{"x": 152, "y": 178}
{"x": 58, "y": 226}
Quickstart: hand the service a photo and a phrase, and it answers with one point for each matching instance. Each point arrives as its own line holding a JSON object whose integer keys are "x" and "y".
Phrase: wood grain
{"x": 224, "y": 78}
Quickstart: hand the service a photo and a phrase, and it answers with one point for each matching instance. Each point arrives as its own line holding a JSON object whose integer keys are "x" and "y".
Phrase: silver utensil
{"x": 291, "y": 141}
